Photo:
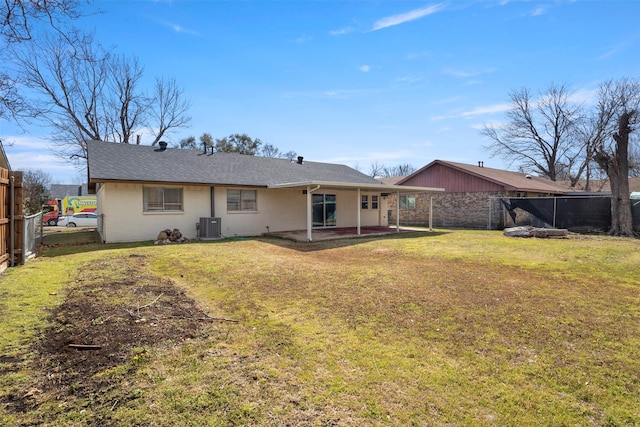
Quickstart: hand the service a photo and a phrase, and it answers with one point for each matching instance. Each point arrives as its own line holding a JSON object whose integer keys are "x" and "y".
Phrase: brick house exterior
{"x": 470, "y": 197}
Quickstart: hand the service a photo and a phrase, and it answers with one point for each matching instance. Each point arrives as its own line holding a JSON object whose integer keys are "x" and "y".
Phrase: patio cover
{"x": 312, "y": 186}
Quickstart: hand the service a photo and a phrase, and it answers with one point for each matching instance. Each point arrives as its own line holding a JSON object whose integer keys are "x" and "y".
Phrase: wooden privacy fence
{"x": 11, "y": 219}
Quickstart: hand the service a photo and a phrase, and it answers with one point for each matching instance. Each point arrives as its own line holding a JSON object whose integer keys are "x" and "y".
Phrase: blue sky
{"x": 359, "y": 82}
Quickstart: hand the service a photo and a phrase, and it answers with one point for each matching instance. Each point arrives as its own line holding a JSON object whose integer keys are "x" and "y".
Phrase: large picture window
{"x": 242, "y": 201}
{"x": 407, "y": 201}
{"x": 161, "y": 199}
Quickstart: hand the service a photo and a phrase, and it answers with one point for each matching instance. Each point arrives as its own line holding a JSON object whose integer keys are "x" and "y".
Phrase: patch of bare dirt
{"x": 114, "y": 313}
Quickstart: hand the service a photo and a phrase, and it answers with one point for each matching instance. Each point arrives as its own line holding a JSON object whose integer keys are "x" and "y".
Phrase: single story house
{"x": 470, "y": 199}
{"x": 142, "y": 190}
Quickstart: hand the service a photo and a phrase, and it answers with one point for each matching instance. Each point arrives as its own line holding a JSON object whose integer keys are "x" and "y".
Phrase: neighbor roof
{"x": 604, "y": 186}
{"x": 60, "y": 191}
{"x": 125, "y": 162}
{"x": 515, "y": 181}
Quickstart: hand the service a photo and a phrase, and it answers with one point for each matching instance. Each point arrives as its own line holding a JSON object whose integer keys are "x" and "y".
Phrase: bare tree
{"x": 168, "y": 108}
{"x": 270, "y": 150}
{"x": 290, "y": 155}
{"x": 18, "y": 19}
{"x": 618, "y": 115}
{"x": 11, "y": 102}
{"x": 36, "y": 185}
{"x": 87, "y": 93}
{"x": 376, "y": 169}
{"x": 125, "y": 98}
{"x": 398, "y": 170}
{"x": 540, "y": 135}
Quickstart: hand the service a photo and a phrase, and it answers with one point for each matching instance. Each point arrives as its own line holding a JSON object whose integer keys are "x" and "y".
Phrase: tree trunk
{"x": 616, "y": 166}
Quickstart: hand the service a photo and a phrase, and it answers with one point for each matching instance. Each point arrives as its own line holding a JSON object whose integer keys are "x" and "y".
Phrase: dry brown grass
{"x": 453, "y": 328}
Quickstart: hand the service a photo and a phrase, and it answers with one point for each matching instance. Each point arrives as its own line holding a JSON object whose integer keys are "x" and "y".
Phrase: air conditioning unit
{"x": 210, "y": 228}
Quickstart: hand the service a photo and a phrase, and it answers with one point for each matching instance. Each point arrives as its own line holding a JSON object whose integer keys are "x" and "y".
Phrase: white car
{"x": 82, "y": 219}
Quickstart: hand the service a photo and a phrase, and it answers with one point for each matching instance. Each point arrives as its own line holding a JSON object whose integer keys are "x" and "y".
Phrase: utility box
{"x": 210, "y": 228}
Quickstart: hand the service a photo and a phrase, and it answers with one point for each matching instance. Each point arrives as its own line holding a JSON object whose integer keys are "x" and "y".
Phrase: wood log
{"x": 528, "y": 231}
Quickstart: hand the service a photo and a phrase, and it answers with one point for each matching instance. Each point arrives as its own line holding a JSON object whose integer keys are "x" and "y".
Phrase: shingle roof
{"x": 604, "y": 186}
{"x": 60, "y": 191}
{"x": 125, "y": 162}
{"x": 516, "y": 180}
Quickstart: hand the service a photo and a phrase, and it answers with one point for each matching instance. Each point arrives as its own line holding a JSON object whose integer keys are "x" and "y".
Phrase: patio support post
{"x": 398, "y": 211}
{"x": 309, "y": 214}
{"x": 430, "y": 211}
{"x": 358, "y": 211}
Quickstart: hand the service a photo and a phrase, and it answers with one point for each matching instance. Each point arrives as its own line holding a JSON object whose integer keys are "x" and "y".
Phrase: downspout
{"x": 213, "y": 201}
{"x": 12, "y": 223}
{"x": 430, "y": 211}
{"x": 358, "y": 201}
{"x": 309, "y": 217}
{"x": 397, "y": 211}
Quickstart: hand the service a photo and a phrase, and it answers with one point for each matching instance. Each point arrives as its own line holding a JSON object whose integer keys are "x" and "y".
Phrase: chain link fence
{"x": 32, "y": 235}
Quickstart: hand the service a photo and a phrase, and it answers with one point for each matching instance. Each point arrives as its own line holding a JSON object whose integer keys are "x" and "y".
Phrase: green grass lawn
{"x": 447, "y": 328}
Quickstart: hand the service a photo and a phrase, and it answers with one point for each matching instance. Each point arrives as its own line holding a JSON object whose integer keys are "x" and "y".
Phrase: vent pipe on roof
{"x": 480, "y": 164}
{"x": 163, "y": 145}
{"x": 300, "y": 158}
{"x": 204, "y": 145}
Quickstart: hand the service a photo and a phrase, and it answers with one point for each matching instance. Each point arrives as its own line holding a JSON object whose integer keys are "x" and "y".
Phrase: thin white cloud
{"x": 608, "y": 54}
{"x": 585, "y": 96}
{"x": 409, "y": 79}
{"x": 478, "y": 111}
{"x": 17, "y": 143}
{"x": 365, "y": 68}
{"x": 446, "y": 101}
{"x": 418, "y": 55}
{"x": 402, "y": 18}
{"x": 540, "y": 10}
{"x": 423, "y": 144}
{"x": 467, "y": 74}
{"x": 341, "y": 31}
{"x": 492, "y": 124}
{"x": 327, "y": 94}
{"x": 370, "y": 157}
{"x": 180, "y": 29}
{"x": 488, "y": 109}
{"x": 304, "y": 38}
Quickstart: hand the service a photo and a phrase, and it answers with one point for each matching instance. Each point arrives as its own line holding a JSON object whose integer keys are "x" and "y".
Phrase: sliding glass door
{"x": 324, "y": 210}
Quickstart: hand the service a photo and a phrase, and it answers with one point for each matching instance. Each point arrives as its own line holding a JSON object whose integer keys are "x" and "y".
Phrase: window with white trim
{"x": 374, "y": 202}
{"x": 407, "y": 201}
{"x": 364, "y": 202}
{"x": 242, "y": 201}
{"x": 162, "y": 199}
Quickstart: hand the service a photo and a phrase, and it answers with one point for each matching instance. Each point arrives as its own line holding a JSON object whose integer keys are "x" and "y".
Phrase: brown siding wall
{"x": 452, "y": 180}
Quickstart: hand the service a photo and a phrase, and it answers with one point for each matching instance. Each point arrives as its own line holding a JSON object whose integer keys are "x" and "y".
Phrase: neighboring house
{"x": 60, "y": 191}
{"x": 604, "y": 186}
{"x": 142, "y": 190}
{"x": 471, "y": 191}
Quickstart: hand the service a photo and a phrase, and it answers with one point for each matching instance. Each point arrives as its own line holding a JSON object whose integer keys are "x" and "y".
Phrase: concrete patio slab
{"x": 320, "y": 234}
